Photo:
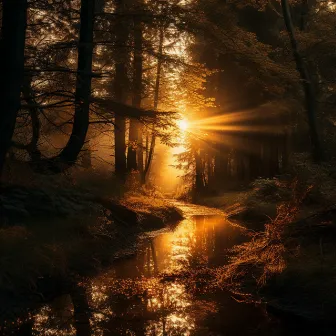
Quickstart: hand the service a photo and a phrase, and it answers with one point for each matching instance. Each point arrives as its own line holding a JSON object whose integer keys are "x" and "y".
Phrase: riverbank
{"x": 289, "y": 261}
{"x": 166, "y": 287}
{"x": 59, "y": 234}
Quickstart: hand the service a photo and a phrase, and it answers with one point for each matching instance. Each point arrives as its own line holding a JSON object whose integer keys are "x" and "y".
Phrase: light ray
{"x": 183, "y": 125}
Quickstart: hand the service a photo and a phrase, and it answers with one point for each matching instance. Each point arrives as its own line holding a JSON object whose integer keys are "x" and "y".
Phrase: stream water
{"x": 133, "y": 298}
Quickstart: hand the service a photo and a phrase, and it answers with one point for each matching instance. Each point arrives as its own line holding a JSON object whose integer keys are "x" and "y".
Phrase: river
{"x": 165, "y": 289}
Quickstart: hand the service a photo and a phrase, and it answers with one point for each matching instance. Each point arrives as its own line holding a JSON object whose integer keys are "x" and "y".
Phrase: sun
{"x": 183, "y": 125}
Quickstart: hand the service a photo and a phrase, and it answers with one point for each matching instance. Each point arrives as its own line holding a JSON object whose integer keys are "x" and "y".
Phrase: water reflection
{"x": 133, "y": 298}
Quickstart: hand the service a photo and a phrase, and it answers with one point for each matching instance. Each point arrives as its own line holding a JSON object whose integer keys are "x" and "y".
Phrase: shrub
{"x": 264, "y": 255}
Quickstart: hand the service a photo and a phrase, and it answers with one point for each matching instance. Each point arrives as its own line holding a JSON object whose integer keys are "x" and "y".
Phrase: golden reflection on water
{"x": 55, "y": 318}
{"x": 132, "y": 299}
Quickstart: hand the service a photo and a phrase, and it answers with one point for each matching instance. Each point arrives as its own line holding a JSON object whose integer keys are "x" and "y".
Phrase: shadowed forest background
{"x": 96, "y": 88}
{"x": 112, "y": 110}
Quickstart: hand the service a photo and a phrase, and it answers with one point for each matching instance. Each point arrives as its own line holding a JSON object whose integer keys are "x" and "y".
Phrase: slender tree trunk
{"x": 156, "y": 104}
{"x": 146, "y": 147}
{"x": 140, "y": 151}
{"x": 158, "y": 70}
{"x": 14, "y": 23}
{"x": 135, "y": 134}
{"x": 209, "y": 170}
{"x": 307, "y": 85}
{"x": 150, "y": 158}
{"x": 28, "y": 96}
{"x": 132, "y": 145}
{"x": 221, "y": 166}
{"x": 199, "y": 172}
{"x": 32, "y": 147}
{"x": 120, "y": 89}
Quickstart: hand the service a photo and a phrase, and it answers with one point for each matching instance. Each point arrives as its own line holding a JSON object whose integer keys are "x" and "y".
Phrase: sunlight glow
{"x": 183, "y": 125}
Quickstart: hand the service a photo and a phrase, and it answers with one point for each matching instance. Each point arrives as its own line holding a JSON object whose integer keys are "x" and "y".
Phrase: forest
{"x": 165, "y": 163}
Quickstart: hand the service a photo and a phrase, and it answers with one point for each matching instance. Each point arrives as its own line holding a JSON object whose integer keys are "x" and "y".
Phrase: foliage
{"x": 321, "y": 177}
{"x": 264, "y": 255}
{"x": 270, "y": 190}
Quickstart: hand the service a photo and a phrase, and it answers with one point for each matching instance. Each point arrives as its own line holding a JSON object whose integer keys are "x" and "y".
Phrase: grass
{"x": 153, "y": 207}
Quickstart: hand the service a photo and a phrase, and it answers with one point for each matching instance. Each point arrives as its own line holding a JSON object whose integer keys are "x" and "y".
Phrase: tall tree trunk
{"x": 307, "y": 85}
{"x": 135, "y": 134}
{"x": 120, "y": 89}
{"x": 14, "y": 23}
{"x": 156, "y": 104}
{"x": 69, "y": 154}
{"x": 83, "y": 84}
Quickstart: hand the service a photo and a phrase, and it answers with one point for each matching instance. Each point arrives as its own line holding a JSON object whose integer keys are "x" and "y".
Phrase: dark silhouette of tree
{"x": 83, "y": 84}
{"x": 134, "y": 153}
{"x": 306, "y": 81}
{"x": 14, "y": 23}
{"x": 149, "y": 157}
{"x": 121, "y": 87}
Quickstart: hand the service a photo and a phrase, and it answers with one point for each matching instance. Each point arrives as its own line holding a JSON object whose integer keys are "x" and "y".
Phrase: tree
{"x": 149, "y": 157}
{"x": 134, "y": 155}
{"x": 83, "y": 84}
{"x": 120, "y": 87}
{"x": 82, "y": 98}
{"x": 14, "y": 23}
{"x": 307, "y": 84}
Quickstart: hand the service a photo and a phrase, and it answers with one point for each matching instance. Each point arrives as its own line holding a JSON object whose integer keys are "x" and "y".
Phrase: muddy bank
{"x": 21, "y": 204}
{"x": 48, "y": 238}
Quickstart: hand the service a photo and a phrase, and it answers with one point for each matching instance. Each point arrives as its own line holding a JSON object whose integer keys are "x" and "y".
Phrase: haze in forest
{"x": 125, "y": 119}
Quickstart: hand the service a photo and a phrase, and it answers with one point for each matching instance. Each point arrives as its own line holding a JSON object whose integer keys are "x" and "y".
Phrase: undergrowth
{"x": 264, "y": 255}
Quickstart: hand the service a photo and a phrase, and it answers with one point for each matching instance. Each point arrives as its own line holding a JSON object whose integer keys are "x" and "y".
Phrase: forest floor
{"x": 61, "y": 233}
{"x": 289, "y": 261}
